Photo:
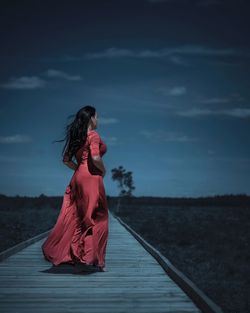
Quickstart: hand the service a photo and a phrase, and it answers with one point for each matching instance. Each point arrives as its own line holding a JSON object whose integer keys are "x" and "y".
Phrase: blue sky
{"x": 169, "y": 79}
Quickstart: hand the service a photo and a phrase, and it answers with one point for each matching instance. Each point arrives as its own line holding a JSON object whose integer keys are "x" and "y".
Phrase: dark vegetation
{"x": 26, "y": 217}
{"x": 206, "y": 238}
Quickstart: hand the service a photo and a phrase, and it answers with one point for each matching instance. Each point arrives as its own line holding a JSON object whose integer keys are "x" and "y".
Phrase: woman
{"x": 80, "y": 234}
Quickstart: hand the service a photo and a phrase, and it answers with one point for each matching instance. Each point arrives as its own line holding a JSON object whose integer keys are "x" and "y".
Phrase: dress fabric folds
{"x": 80, "y": 233}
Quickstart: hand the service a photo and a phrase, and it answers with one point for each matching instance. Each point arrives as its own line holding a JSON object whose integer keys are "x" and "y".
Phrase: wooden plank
{"x": 134, "y": 282}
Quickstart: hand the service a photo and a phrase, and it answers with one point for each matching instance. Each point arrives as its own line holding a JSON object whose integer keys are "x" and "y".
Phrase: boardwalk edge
{"x": 203, "y": 302}
{"x": 20, "y": 246}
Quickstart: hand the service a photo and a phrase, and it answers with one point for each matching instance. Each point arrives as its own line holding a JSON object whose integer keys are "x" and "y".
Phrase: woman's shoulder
{"x": 92, "y": 132}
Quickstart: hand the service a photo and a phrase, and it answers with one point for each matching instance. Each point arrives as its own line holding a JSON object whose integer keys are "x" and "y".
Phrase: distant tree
{"x": 124, "y": 180}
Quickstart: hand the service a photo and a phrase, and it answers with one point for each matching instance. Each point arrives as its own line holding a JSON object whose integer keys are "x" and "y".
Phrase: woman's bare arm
{"x": 97, "y": 160}
{"x": 71, "y": 164}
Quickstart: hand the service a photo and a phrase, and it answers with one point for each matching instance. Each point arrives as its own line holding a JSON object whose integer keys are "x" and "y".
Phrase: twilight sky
{"x": 169, "y": 79}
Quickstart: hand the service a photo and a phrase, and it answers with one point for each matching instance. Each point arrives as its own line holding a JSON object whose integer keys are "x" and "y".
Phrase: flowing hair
{"x": 76, "y": 131}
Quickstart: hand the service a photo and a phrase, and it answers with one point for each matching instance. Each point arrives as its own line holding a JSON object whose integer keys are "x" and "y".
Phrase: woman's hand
{"x": 104, "y": 173}
{"x": 71, "y": 164}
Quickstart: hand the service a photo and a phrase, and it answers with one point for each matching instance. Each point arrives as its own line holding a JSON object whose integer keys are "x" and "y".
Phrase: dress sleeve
{"x": 94, "y": 144}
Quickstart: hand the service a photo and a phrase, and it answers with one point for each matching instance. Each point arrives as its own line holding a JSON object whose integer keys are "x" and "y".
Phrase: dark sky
{"x": 169, "y": 80}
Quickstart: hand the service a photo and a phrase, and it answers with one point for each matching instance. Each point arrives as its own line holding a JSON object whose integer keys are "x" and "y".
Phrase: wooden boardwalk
{"x": 134, "y": 282}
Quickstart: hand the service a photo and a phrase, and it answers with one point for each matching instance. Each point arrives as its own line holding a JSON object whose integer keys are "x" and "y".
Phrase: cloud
{"x": 235, "y": 112}
{"x": 113, "y": 52}
{"x": 107, "y": 120}
{"x": 52, "y": 73}
{"x": 215, "y": 100}
{"x": 15, "y": 139}
{"x": 110, "y": 53}
{"x": 174, "y": 54}
{"x": 194, "y": 112}
{"x": 178, "y": 91}
{"x": 35, "y": 82}
{"x": 161, "y": 135}
{"x": 24, "y": 82}
{"x": 174, "y": 91}
{"x": 178, "y": 60}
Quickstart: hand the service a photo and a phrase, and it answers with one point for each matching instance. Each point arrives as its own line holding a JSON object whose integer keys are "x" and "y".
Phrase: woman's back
{"x": 94, "y": 145}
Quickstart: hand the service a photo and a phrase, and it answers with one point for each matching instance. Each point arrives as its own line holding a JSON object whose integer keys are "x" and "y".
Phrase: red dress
{"x": 81, "y": 230}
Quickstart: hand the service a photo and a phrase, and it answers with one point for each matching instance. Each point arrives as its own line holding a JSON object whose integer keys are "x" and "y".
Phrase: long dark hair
{"x": 76, "y": 131}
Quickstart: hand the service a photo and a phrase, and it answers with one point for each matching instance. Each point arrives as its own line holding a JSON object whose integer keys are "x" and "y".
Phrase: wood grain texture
{"x": 134, "y": 282}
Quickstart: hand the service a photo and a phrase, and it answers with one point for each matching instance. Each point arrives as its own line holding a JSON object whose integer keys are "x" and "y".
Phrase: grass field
{"x": 208, "y": 243}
